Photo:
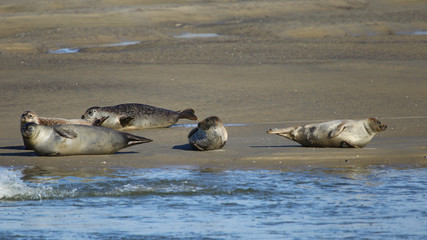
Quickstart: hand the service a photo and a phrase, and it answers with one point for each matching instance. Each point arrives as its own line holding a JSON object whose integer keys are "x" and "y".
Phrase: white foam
{"x": 12, "y": 187}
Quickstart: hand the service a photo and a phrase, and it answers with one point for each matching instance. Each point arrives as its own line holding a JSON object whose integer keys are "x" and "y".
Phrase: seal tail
{"x": 188, "y": 114}
{"x": 133, "y": 139}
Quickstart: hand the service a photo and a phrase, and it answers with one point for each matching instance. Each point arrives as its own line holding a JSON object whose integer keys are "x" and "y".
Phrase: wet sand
{"x": 262, "y": 64}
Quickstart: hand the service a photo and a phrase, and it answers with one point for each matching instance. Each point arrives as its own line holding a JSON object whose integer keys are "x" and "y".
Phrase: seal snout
{"x": 272, "y": 131}
{"x": 383, "y": 127}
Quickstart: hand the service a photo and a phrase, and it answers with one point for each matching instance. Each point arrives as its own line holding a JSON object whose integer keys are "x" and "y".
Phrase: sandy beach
{"x": 254, "y": 64}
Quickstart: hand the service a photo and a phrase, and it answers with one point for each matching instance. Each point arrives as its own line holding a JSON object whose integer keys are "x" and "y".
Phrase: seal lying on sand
{"x": 338, "y": 133}
{"x": 30, "y": 116}
{"x": 210, "y": 134}
{"x": 137, "y": 116}
{"x": 56, "y": 140}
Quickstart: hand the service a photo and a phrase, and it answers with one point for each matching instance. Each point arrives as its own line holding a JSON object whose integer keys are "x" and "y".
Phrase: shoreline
{"x": 242, "y": 152}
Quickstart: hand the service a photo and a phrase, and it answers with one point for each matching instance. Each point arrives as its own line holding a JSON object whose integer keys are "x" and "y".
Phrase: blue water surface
{"x": 174, "y": 203}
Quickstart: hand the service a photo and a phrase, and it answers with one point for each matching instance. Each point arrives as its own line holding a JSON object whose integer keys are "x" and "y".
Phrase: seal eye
{"x": 90, "y": 113}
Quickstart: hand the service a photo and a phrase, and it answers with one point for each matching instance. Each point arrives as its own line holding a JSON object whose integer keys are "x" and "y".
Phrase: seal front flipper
{"x": 124, "y": 121}
{"x": 196, "y": 146}
{"x": 337, "y": 131}
{"x": 98, "y": 122}
{"x": 66, "y": 133}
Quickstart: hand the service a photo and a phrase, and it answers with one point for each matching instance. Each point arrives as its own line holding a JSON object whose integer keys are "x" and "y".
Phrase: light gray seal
{"x": 137, "y": 116}
{"x": 30, "y": 116}
{"x": 57, "y": 140}
{"x": 337, "y": 133}
{"x": 210, "y": 134}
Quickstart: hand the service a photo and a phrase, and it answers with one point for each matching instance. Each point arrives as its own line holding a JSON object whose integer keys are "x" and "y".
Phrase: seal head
{"x": 29, "y": 116}
{"x": 375, "y": 125}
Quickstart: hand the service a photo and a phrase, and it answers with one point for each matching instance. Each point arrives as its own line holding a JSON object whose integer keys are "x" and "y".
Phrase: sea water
{"x": 185, "y": 203}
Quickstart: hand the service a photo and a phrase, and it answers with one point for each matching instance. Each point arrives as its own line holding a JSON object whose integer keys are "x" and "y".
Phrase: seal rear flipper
{"x": 188, "y": 114}
{"x": 66, "y": 133}
{"x": 124, "y": 121}
{"x": 133, "y": 139}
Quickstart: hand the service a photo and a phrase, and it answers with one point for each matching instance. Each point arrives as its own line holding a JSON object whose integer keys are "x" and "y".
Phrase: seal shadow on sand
{"x": 23, "y": 152}
{"x": 277, "y": 146}
{"x": 185, "y": 147}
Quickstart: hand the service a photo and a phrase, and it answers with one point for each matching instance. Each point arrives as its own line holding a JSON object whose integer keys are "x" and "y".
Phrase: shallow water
{"x": 197, "y": 35}
{"x": 76, "y": 50}
{"x": 172, "y": 203}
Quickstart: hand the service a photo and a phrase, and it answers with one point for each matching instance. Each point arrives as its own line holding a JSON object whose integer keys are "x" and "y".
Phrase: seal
{"x": 137, "y": 116}
{"x": 337, "y": 133}
{"x": 30, "y": 116}
{"x": 210, "y": 134}
{"x": 60, "y": 140}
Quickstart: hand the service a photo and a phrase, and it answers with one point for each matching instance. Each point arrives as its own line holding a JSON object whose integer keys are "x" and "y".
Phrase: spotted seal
{"x": 337, "y": 133}
{"x": 210, "y": 134}
{"x": 57, "y": 140}
{"x": 30, "y": 116}
{"x": 137, "y": 116}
